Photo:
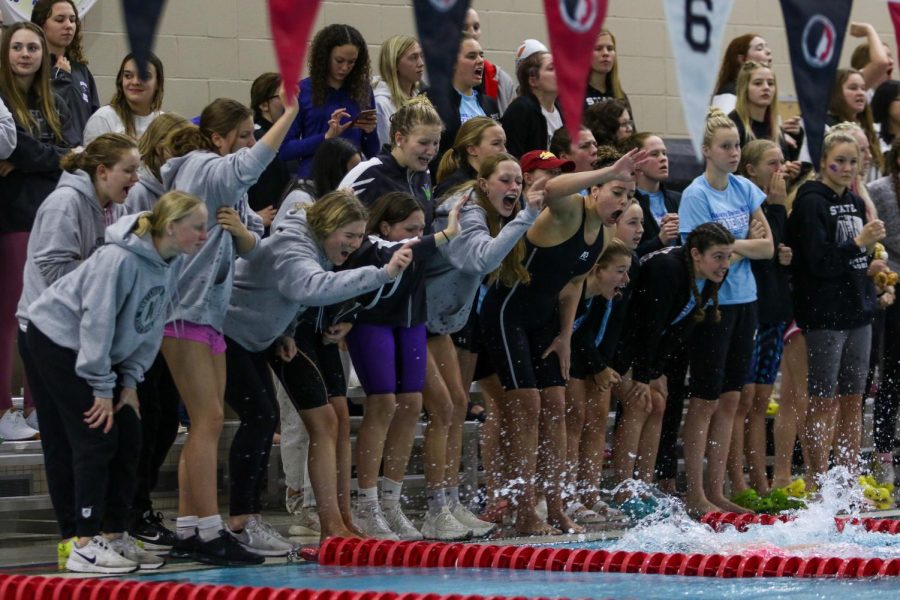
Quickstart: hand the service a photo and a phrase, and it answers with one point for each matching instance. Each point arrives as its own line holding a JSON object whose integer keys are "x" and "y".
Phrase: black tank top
{"x": 553, "y": 267}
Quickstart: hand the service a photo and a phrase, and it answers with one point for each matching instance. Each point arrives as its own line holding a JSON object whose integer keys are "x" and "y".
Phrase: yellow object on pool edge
{"x": 797, "y": 488}
{"x": 879, "y": 495}
{"x": 772, "y": 408}
{"x": 63, "y": 550}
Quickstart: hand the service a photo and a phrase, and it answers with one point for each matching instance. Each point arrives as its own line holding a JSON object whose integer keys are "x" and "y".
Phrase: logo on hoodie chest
{"x": 150, "y": 309}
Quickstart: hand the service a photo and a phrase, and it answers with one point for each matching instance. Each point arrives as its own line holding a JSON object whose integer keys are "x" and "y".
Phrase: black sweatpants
{"x": 159, "y": 427}
{"x": 250, "y": 391}
{"x": 888, "y": 398}
{"x": 91, "y": 474}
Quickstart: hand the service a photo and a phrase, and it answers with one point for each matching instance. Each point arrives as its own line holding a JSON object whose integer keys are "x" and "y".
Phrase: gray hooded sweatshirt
{"x": 204, "y": 283}
{"x": 455, "y": 273}
{"x": 289, "y": 273}
{"x": 111, "y": 310}
{"x": 145, "y": 192}
{"x": 68, "y": 228}
{"x": 7, "y": 131}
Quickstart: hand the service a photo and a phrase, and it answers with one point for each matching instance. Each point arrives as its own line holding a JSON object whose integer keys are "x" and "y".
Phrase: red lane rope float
{"x": 717, "y": 520}
{"x": 356, "y": 552}
{"x": 52, "y": 588}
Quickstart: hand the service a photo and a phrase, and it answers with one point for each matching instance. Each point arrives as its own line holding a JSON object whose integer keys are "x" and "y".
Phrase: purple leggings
{"x": 13, "y": 250}
{"x": 387, "y": 359}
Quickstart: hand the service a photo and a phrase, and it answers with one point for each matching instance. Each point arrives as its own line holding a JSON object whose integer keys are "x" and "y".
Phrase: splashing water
{"x": 811, "y": 533}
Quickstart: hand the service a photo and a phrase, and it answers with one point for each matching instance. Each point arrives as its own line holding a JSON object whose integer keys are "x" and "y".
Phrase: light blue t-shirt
{"x": 731, "y": 208}
{"x": 469, "y": 107}
{"x": 657, "y": 204}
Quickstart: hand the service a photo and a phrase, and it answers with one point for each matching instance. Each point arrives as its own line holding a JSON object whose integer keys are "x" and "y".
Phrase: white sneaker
{"x": 401, "y": 525}
{"x": 127, "y": 547}
{"x": 261, "y": 538}
{"x": 14, "y": 428}
{"x": 306, "y": 522}
{"x": 444, "y": 527}
{"x": 98, "y": 557}
{"x": 466, "y": 517}
{"x": 32, "y": 420}
{"x": 370, "y": 520}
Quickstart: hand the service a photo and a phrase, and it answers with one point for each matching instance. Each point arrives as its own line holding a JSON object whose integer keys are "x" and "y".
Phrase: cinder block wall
{"x": 214, "y": 48}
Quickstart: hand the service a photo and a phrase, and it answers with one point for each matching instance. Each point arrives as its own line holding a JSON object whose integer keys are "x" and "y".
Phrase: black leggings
{"x": 888, "y": 398}
{"x": 159, "y": 427}
{"x": 91, "y": 475}
{"x": 666, "y": 457}
{"x": 250, "y": 391}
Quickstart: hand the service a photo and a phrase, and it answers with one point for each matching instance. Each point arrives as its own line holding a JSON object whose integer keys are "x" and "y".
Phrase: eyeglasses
{"x": 626, "y": 124}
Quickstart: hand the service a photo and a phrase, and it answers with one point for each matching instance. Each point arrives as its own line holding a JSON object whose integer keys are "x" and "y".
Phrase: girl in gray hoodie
{"x": 154, "y": 147}
{"x": 292, "y": 271}
{"x": 218, "y": 162}
{"x": 70, "y": 223}
{"x": 491, "y": 228}
{"x": 92, "y": 335}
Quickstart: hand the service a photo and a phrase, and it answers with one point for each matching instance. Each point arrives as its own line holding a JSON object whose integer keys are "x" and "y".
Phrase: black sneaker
{"x": 184, "y": 548}
{"x": 225, "y": 551}
{"x": 150, "y": 531}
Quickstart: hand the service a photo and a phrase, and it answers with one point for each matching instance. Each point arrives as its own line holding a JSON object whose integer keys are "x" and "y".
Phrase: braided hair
{"x": 703, "y": 238}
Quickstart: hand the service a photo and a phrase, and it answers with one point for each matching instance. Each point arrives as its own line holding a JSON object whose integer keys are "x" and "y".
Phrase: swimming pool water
{"x": 549, "y": 584}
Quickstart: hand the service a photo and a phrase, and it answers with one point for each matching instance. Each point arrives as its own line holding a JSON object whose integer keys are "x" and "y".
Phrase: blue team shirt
{"x": 469, "y": 107}
{"x": 731, "y": 208}
{"x": 657, "y": 204}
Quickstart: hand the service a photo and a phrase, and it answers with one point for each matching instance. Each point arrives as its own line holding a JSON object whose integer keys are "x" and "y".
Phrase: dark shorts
{"x": 767, "y": 351}
{"x": 515, "y": 338}
{"x": 721, "y": 351}
{"x": 315, "y": 374}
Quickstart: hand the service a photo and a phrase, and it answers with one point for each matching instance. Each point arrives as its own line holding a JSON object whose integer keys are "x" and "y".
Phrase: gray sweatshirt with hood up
{"x": 145, "y": 192}
{"x": 110, "y": 310}
{"x": 68, "y": 228}
{"x": 289, "y": 273}
{"x": 205, "y": 280}
{"x": 456, "y": 271}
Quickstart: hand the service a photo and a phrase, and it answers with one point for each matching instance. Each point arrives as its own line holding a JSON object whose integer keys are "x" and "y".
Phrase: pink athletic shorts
{"x": 185, "y": 330}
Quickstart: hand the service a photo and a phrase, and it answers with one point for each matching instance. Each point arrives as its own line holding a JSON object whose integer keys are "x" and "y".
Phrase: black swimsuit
{"x": 520, "y": 322}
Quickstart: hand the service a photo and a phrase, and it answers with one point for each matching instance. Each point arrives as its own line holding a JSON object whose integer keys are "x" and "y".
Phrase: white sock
{"x": 309, "y": 498}
{"x": 367, "y": 496}
{"x": 390, "y": 492}
{"x": 208, "y": 528}
{"x": 452, "y": 494}
{"x": 437, "y": 500}
{"x": 185, "y": 527}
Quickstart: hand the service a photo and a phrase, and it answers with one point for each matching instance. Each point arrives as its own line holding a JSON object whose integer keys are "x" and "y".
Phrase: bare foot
{"x": 528, "y": 523}
{"x": 338, "y": 532}
{"x": 348, "y": 523}
{"x": 697, "y": 509}
{"x": 564, "y": 523}
{"x": 728, "y": 506}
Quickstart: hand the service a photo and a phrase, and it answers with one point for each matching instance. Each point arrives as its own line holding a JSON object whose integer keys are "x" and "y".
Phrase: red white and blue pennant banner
{"x": 696, "y": 28}
{"x": 291, "y": 22}
{"x": 894, "y": 10}
{"x": 815, "y": 33}
{"x": 573, "y": 27}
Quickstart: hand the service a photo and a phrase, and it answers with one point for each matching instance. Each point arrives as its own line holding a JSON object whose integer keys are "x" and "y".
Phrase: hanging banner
{"x": 291, "y": 23}
{"x": 13, "y": 11}
{"x": 696, "y": 29}
{"x": 573, "y": 26}
{"x": 141, "y": 19}
{"x": 439, "y": 24}
{"x": 894, "y": 10}
{"x": 815, "y": 32}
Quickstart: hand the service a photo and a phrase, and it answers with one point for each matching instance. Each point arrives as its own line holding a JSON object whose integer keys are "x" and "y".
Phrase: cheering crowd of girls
{"x": 149, "y": 262}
